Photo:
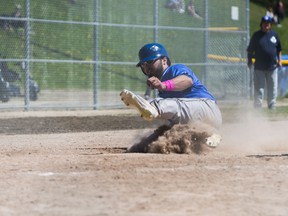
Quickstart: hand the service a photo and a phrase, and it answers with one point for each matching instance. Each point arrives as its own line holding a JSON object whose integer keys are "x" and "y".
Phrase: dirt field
{"x": 74, "y": 163}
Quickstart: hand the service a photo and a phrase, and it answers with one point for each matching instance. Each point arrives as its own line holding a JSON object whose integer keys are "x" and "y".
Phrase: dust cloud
{"x": 254, "y": 133}
{"x": 181, "y": 139}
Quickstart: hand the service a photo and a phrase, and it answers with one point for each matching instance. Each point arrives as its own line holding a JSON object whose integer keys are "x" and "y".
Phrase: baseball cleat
{"x": 214, "y": 140}
{"x": 147, "y": 111}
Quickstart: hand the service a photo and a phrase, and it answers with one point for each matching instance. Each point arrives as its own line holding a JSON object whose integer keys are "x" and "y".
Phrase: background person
{"x": 265, "y": 47}
{"x": 279, "y": 11}
{"x": 192, "y": 11}
{"x": 176, "y": 5}
{"x": 270, "y": 13}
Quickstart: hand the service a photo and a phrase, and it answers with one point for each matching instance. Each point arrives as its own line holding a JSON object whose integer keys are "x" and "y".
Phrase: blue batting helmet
{"x": 151, "y": 51}
{"x": 266, "y": 19}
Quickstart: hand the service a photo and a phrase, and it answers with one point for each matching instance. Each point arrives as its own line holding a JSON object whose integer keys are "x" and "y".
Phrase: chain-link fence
{"x": 82, "y": 53}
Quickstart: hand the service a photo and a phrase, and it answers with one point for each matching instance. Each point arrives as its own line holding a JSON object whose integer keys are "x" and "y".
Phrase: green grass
{"x": 75, "y": 42}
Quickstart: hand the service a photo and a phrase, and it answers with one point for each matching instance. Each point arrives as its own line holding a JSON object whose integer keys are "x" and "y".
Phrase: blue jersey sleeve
{"x": 197, "y": 90}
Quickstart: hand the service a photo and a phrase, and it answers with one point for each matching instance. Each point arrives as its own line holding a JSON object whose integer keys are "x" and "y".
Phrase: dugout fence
{"x": 83, "y": 53}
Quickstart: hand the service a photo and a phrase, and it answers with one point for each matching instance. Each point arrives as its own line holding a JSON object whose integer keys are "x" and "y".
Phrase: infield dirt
{"x": 74, "y": 163}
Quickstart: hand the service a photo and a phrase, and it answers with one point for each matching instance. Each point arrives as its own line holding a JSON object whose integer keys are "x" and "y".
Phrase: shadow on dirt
{"x": 106, "y": 150}
{"x": 46, "y": 125}
{"x": 268, "y": 156}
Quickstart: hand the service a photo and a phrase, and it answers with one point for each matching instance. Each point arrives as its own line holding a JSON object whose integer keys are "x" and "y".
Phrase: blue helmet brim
{"x": 147, "y": 59}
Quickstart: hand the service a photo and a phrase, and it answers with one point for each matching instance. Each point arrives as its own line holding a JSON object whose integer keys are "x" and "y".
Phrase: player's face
{"x": 153, "y": 68}
{"x": 266, "y": 26}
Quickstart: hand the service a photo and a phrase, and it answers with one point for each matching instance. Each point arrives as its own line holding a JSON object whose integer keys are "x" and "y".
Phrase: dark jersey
{"x": 264, "y": 47}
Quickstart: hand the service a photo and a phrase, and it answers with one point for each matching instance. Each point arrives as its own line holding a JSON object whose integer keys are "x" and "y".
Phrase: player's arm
{"x": 279, "y": 55}
{"x": 249, "y": 58}
{"x": 182, "y": 82}
{"x": 178, "y": 83}
{"x": 250, "y": 51}
{"x": 279, "y": 52}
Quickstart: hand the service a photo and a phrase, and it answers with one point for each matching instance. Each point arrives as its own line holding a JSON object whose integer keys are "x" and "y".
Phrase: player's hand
{"x": 155, "y": 83}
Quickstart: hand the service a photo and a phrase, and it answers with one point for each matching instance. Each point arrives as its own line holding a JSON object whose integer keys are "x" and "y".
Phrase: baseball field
{"x": 74, "y": 163}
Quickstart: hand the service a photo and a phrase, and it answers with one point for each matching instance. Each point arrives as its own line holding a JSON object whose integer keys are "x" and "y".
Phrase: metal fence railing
{"x": 81, "y": 54}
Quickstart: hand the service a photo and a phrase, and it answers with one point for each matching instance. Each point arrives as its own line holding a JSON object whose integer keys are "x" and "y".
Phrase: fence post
{"x": 156, "y": 32}
{"x": 250, "y": 71}
{"x": 27, "y": 55}
{"x": 156, "y": 18}
{"x": 206, "y": 39}
{"x": 96, "y": 57}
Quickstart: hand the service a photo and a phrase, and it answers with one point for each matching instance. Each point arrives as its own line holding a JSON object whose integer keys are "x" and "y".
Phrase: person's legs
{"x": 183, "y": 111}
{"x": 147, "y": 94}
{"x": 259, "y": 85}
{"x": 272, "y": 87}
{"x": 175, "y": 110}
{"x": 143, "y": 144}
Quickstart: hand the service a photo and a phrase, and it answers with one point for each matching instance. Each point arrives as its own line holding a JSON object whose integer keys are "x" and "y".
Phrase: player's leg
{"x": 183, "y": 111}
{"x": 147, "y": 93}
{"x": 259, "y": 86}
{"x": 146, "y": 110}
{"x": 143, "y": 145}
{"x": 272, "y": 87}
